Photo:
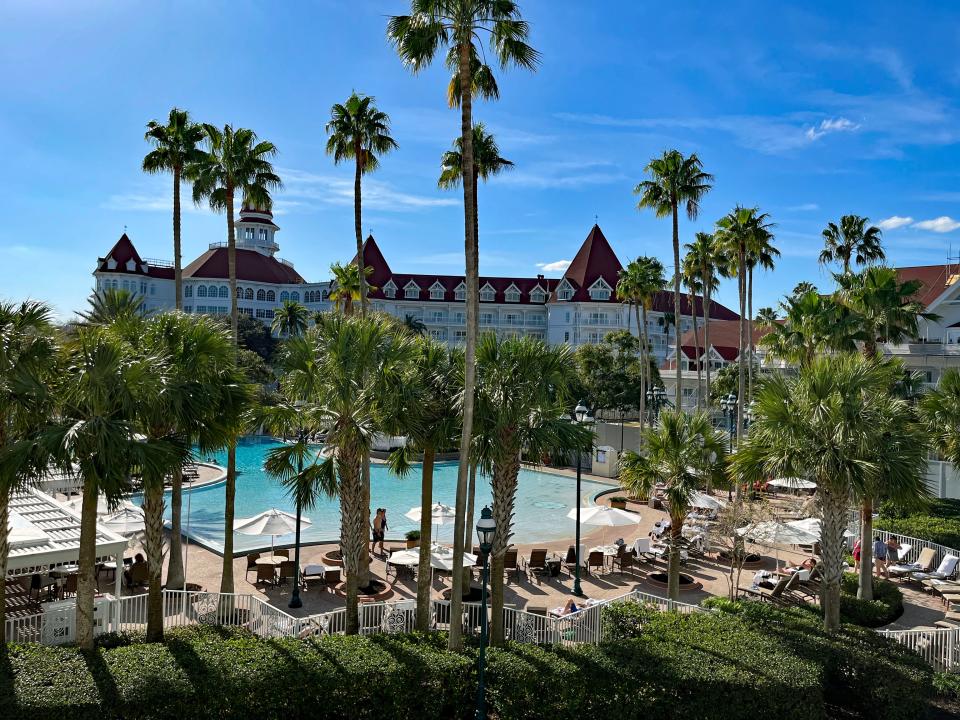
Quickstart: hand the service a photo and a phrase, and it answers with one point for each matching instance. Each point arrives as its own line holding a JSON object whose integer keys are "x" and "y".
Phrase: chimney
{"x": 539, "y": 277}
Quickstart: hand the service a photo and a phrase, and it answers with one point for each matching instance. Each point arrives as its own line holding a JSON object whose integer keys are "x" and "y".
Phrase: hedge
{"x": 755, "y": 662}
{"x": 938, "y": 522}
{"x": 886, "y": 606}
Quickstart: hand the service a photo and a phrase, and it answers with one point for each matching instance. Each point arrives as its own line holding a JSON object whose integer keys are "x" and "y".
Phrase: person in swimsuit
{"x": 379, "y": 530}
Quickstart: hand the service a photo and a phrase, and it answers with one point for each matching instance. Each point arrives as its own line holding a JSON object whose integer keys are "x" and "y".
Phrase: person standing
{"x": 880, "y": 557}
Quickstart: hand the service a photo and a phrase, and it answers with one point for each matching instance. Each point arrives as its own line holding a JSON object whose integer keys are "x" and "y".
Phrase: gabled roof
{"x": 724, "y": 338}
{"x": 595, "y": 259}
{"x": 251, "y": 267}
{"x": 933, "y": 279}
{"x": 122, "y": 252}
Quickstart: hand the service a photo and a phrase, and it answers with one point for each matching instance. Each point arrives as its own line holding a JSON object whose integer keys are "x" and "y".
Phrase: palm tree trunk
{"x": 455, "y": 637}
{"x": 644, "y": 363}
{"x": 742, "y": 288}
{"x": 175, "y": 579}
{"x": 177, "y": 269}
{"x": 834, "y": 509}
{"x": 363, "y": 570}
{"x": 230, "y": 487}
{"x": 423, "y": 569}
{"x": 471, "y": 505}
{"x": 353, "y": 523}
{"x": 696, "y": 345}
{"x": 153, "y": 546}
{"x": 865, "y": 579}
{"x": 4, "y": 554}
{"x": 504, "y": 494}
{"x": 750, "y": 332}
{"x": 87, "y": 560}
{"x": 673, "y": 570}
{"x": 358, "y": 225}
{"x": 708, "y": 279}
{"x": 676, "y": 300}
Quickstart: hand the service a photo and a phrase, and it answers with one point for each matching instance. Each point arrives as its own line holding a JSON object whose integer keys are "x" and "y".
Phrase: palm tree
{"x": 414, "y": 325}
{"x": 95, "y": 431}
{"x": 29, "y": 360}
{"x": 852, "y": 240}
{"x": 346, "y": 286}
{"x": 638, "y": 285}
{"x": 761, "y": 253}
{"x": 176, "y": 148}
{"x": 837, "y": 424}
{"x": 359, "y": 131}
{"x": 708, "y": 263}
{"x": 111, "y": 305}
{"x": 522, "y": 401}
{"x": 290, "y": 319}
{"x": 766, "y": 317}
{"x": 685, "y": 453}
{"x": 430, "y": 425}
{"x": 739, "y": 232}
{"x": 201, "y": 396}
{"x": 359, "y": 378}
{"x": 812, "y": 324}
{"x": 235, "y": 161}
{"x": 693, "y": 288}
{"x": 674, "y": 180}
{"x": 940, "y": 410}
{"x": 486, "y": 163}
{"x": 459, "y": 25}
{"x": 802, "y": 288}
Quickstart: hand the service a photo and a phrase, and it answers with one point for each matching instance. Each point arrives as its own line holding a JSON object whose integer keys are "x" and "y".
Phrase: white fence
{"x": 916, "y": 545}
{"x": 939, "y": 647}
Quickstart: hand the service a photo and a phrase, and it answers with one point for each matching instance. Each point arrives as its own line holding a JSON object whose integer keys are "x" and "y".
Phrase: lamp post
{"x": 728, "y": 403}
{"x": 656, "y": 396}
{"x": 485, "y": 530}
{"x": 579, "y": 418}
{"x": 295, "y": 601}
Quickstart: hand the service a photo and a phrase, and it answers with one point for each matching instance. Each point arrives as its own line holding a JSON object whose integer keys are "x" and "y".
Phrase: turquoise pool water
{"x": 543, "y": 501}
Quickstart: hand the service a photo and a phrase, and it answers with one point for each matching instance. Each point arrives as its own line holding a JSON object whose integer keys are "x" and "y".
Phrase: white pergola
{"x": 45, "y": 533}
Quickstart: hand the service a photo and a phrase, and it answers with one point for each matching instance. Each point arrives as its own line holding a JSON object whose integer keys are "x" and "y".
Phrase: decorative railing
{"x": 916, "y": 545}
{"x": 939, "y": 647}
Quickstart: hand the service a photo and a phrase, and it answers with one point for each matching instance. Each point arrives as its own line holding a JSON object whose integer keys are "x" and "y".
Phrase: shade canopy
{"x": 126, "y": 521}
{"x": 814, "y": 526}
{"x": 271, "y": 522}
{"x": 772, "y": 532}
{"x": 440, "y": 514}
{"x": 440, "y": 558}
{"x": 793, "y": 483}
{"x": 603, "y": 516}
{"x": 708, "y": 502}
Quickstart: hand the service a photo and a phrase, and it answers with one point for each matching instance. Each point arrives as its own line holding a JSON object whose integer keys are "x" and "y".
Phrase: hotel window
{"x": 201, "y": 292}
{"x": 512, "y": 295}
{"x": 295, "y": 296}
{"x": 246, "y": 311}
{"x": 188, "y": 308}
{"x": 439, "y": 334}
{"x": 411, "y": 291}
{"x": 599, "y": 293}
{"x": 390, "y": 290}
{"x": 188, "y": 291}
{"x": 437, "y": 292}
{"x": 599, "y": 318}
{"x": 239, "y": 293}
{"x": 261, "y": 295}
{"x": 487, "y": 294}
{"x": 271, "y": 296}
{"x": 263, "y": 234}
{"x": 438, "y": 316}
{"x": 201, "y": 308}
{"x": 461, "y": 293}
{"x": 460, "y": 335}
{"x": 513, "y": 319}
{"x": 458, "y": 318}
{"x": 564, "y": 293}
{"x": 284, "y": 296}
{"x": 248, "y": 234}
{"x": 537, "y": 296}
{"x": 486, "y": 318}
{"x": 114, "y": 285}
{"x": 224, "y": 291}
{"x": 248, "y": 294}
{"x": 153, "y": 289}
{"x": 566, "y": 337}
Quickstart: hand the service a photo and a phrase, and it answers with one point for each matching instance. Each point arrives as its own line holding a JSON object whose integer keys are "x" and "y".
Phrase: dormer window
{"x": 437, "y": 291}
{"x": 461, "y": 292}
{"x": 488, "y": 293}
{"x": 390, "y": 290}
{"x": 411, "y": 291}
{"x": 600, "y": 290}
{"x": 131, "y": 264}
{"x": 564, "y": 292}
{"x": 111, "y": 264}
{"x": 511, "y": 294}
{"x": 537, "y": 295}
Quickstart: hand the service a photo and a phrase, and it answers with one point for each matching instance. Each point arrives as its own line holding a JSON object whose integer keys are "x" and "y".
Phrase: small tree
{"x": 724, "y": 536}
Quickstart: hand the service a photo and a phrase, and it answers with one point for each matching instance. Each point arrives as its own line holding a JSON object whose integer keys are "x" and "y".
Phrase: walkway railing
{"x": 940, "y": 647}
{"x": 916, "y": 545}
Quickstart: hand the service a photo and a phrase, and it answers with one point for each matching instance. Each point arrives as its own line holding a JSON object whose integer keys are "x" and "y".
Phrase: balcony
{"x": 537, "y": 321}
{"x": 512, "y": 321}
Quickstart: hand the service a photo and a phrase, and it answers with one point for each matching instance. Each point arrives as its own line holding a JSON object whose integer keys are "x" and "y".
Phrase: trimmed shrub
{"x": 938, "y": 522}
{"x": 886, "y": 606}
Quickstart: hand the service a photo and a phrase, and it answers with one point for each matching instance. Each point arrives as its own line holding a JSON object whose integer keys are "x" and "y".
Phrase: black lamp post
{"x": 485, "y": 529}
{"x": 655, "y": 396}
{"x": 728, "y": 403}
{"x": 579, "y": 417}
{"x": 295, "y": 601}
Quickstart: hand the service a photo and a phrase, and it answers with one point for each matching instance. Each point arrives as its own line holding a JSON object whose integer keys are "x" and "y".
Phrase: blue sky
{"x": 808, "y": 110}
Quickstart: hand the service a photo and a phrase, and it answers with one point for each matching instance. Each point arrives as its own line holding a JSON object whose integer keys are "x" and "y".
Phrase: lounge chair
{"x": 265, "y": 574}
{"x": 331, "y": 578}
{"x": 775, "y": 595}
{"x": 311, "y": 572}
{"x": 570, "y": 561}
{"x": 252, "y": 563}
{"x": 947, "y": 569}
{"x": 510, "y": 564}
{"x": 537, "y": 563}
{"x": 641, "y": 550}
{"x": 288, "y": 571}
{"x": 923, "y": 564}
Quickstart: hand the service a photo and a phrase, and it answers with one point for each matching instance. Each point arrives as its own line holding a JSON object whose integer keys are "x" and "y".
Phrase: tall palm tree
{"x": 105, "y": 387}
{"x": 852, "y": 241}
{"x": 290, "y": 319}
{"x": 837, "y": 424}
{"x": 234, "y": 161}
{"x": 694, "y": 287}
{"x": 674, "y": 181}
{"x": 638, "y": 285}
{"x": 762, "y": 253}
{"x": 802, "y": 288}
{"x": 766, "y": 317}
{"x": 487, "y": 162}
{"x": 359, "y": 379}
{"x": 523, "y": 395}
{"x": 812, "y": 324}
{"x": 460, "y": 26}
{"x": 176, "y": 148}
{"x": 29, "y": 363}
{"x": 201, "y": 397}
{"x": 358, "y": 130}
{"x": 739, "y": 232}
{"x": 430, "y": 425}
{"x": 345, "y": 290}
{"x": 708, "y": 263}
{"x": 685, "y": 453}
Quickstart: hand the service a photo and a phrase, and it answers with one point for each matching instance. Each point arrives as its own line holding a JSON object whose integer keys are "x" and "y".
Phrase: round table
{"x": 274, "y": 560}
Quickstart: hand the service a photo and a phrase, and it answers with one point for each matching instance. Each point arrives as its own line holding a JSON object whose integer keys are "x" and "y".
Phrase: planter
{"x": 752, "y": 561}
{"x": 380, "y": 590}
{"x": 413, "y": 544}
{"x": 687, "y": 583}
{"x": 333, "y": 557}
{"x": 618, "y": 503}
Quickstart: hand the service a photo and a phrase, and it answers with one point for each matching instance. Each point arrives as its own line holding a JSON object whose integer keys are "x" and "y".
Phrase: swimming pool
{"x": 543, "y": 501}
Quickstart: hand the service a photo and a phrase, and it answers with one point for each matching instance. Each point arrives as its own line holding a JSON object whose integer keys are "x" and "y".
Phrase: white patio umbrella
{"x": 708, "y": 502}
{"x": 126, "y": 521}
{"x": 814, "y": 526}
{"x": 271, "y": 522}
{"x": 440, "y": 514}
{"x": 772, "y": 532}
{"x": 793, "y": 483}
{"x": 604, "y": 516}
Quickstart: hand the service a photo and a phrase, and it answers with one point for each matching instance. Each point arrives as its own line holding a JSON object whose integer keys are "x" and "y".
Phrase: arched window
{"x": 261, "y": 295}
{"x": 295, "y": 296}
{"x": 271, "y": 296}
{"x": 153, "y": 289}
{"x": 201, "y": 290}
{"x": 248, "y": 294}
{"x": 224, "y": 291}
{"x": 284, "y": 296}
{"x": 114, "y": 284}
{"x": 239, "y": 293}
{"x": 188, "y": 291}
{"x": 212, "y": 290}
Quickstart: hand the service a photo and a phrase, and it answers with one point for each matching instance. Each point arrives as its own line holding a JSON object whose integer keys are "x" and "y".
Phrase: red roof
{"x": 124, "y": 251}
{"x": 251, "y": 267}
{"x": 594, "y": 259}
{"x": 724, "y": 338}
{"x": 933, "y": 279}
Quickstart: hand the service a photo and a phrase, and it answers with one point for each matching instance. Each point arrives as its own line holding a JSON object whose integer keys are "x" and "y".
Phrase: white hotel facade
{"x": 580, "y": 307}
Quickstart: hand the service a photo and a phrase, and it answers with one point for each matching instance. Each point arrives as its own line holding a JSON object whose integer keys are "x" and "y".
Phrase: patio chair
{"x": 773, "y": 594}
{"x": 331, "y": 578}
{"x": 570, "y": 560}
{"x": 70, "y": 585}
{"x": 641, "y": 550}
{"x": 285, "y": 552}
{"x": 288, "y": 571}
{"x": 947, "y": 569}
{"x": 139, "y": 575}
{"x": 252, "y": 563}
{"x": 537, "y": 563}
{"x": 510, "y": 563}
{"x": 924, "y": 563}
{"x": 625, "y": 561}
{"x": 595, "y": 560}
{"x": 265, "y": 574}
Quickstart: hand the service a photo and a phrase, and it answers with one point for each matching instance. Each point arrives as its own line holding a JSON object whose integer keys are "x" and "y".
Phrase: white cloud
{"x": 563, "y": 174}
{"x": 893, "y": 222}
{"x": 805, "y": 207}
{"x": 831, "y": 125}
{"x": 149, "y": 202}
{"x": 942, "y": 224}
{"x": 556, "y": 266}
{"x": 305, "y": 186}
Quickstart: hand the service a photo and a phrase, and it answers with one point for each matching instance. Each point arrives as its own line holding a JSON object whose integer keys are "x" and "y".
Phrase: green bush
{"x": 886, "y": 606}
{"x": 938, "y": 522}
{"x": 947, "y": 685}
{"x": 749, "y": 663}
